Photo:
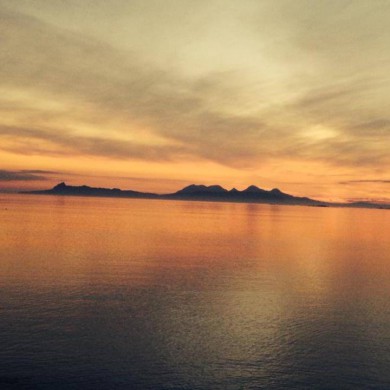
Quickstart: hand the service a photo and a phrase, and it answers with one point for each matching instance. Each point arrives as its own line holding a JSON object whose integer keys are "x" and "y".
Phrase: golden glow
{"x": 231, "y": 236}
{"x": 319, "y": 133}
{"x": 155, "y": 96}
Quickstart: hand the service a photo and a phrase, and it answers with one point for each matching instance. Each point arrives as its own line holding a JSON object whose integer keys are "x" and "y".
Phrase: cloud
{"x": 39, "y": 171}
{"x": 64, "y": 143}
{"x": 91, "y": 74}
{"x": 365, "y": 181}
{"x": 23, "y": 175}
{"x": 78, "y": 83}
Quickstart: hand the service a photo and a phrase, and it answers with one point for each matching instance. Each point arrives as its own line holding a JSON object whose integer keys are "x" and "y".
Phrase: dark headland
{"x": 215, "y": 193}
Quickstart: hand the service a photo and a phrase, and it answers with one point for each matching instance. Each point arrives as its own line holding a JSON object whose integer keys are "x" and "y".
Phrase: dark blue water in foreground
{"x": 138, "y": 294}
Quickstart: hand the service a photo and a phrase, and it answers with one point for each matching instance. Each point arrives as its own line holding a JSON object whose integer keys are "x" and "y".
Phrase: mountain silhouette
{"x": 201, "y": 190}
{"x": 252, "y": 194}
{"x": 253, "y": 190}
{"x": 63, "y": 189}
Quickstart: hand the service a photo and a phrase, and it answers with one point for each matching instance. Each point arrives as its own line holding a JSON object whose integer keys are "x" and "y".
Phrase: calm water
{"x": 137, "y": 294}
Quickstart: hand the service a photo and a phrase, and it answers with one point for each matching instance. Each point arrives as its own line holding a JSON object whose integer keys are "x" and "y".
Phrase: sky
{"x": 155, "y": 95}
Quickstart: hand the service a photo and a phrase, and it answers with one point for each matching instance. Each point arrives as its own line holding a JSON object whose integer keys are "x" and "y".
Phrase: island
{"x": 212, "y": 193}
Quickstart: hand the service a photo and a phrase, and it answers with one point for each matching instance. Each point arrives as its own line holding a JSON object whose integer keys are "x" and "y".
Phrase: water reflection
{"x": 116, "y": 293}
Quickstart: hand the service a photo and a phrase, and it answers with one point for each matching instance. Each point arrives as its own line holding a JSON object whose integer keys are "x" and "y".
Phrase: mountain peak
{"x": 253, "y": 189}
{"x": 216, "y": 188}
{"x": 201, "y": 189}
{"x": 60, "y": 186}
{"x": 192, "y": 188}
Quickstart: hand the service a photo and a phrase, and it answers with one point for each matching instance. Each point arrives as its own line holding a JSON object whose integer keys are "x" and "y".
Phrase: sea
{"x": 108, "y": 293}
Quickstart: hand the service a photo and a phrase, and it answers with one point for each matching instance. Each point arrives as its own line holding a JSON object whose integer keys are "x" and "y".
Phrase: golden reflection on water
{"x": 253, "y": 291}
{"x": 62, "y": 235}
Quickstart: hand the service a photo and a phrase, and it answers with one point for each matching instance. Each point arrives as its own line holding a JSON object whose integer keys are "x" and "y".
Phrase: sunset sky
{"x": 155, "y": 95}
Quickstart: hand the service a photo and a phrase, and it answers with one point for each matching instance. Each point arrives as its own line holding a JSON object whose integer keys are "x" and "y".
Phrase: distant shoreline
{"x": 213, "y": 193}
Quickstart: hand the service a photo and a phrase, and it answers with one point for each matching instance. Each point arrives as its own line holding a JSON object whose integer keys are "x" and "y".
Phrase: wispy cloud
{"x": 365, "y": 181}
{"x": 24, "y": 175}
{"x": 65, "y": 143}
{"x": 107, "y": 88}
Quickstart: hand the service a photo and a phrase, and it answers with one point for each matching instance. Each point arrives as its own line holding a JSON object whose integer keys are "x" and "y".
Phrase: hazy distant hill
{"x": 252, "y": 194}
{"x": 63, "y": 189}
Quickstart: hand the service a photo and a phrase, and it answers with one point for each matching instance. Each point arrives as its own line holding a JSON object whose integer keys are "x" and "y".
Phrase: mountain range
{"x": 252, "y": 194}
